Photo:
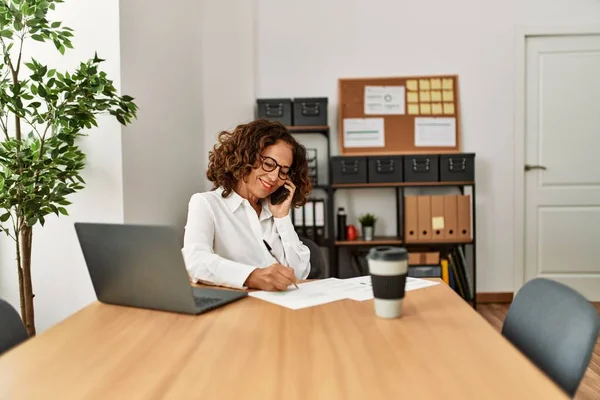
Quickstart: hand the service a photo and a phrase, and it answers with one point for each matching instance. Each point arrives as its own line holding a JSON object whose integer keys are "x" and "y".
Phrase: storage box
{"x": 457, "y": 167}
{"x": 421, "y": 168}
{"x": 383, "y": 169}
{"x": 310, "y": 111}
{"x": 279, "y": 110}
{"x": 349, "y": 169}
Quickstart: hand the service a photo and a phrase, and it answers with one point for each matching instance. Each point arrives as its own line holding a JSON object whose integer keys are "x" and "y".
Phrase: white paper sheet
{"x": 364, "y": 132}
{"x": 307, "y": 295}
{"x": 365, "y": 292}
{"x": 435, "y": 132}
{"x": 385, "y": 100}
{"x": 329, "y": 290}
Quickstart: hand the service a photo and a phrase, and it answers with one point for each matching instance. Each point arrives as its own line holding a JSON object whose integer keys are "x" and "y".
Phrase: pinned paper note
{"x": 412, "y": 97}
{"x": 364, "y": 132}
{"x": 424, "y": 96}
{"x": 448, "y": 108}
{"x": 425, "y": 109}
{"x": 413, "y": 109}
{"x": 447, "y": 84}
{"x": 436, "y": 95}
{"x": 436, "y": 84}
{"x": 437, "y": 223}
{"x": 412, "y": 85}
{"x": 424, "y": 84}
{"x": 436, "y": 108}
{"x": 448, "y": 95}
{"x": 387, "y": 100}
{"x": 435, "y": 132}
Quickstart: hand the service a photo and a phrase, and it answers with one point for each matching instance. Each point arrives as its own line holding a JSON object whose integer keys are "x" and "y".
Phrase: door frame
{"x": 522, "y": 34}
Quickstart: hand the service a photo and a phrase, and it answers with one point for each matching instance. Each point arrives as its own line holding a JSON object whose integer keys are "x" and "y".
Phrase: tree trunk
{"x": 26, "y": 288}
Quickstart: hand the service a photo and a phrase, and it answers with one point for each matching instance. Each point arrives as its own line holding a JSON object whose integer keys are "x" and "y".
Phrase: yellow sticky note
{"x": 425, "y": 109}
{"x": 448, "y": 95}
{"x": 412, "y": 97}
{"x": 437, "y": 223}
{"x": 413, "y": 109}
{"x": 436, "y": 108}
{"x": 447, "y": 84}
{"x": 424, "y": 96}
{"x": 436, "y": 95}
{"x": 448, "y": 108}
{"x": 424, "y": 84}
{"x": 436, "y": 84}
{"x": 412, "y": 85}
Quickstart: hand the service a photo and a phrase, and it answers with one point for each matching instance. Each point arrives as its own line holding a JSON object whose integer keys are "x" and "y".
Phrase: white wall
{"x": 60, "y": 279}
{"x": 304, "y": 47}
{"x": 163, "y": 151}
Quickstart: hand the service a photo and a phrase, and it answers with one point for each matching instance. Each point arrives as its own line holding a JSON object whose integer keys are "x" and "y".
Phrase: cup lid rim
{"x": 388, "y": 253}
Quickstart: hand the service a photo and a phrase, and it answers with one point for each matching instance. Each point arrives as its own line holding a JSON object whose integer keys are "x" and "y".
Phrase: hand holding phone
{"x": 280, "y": 201}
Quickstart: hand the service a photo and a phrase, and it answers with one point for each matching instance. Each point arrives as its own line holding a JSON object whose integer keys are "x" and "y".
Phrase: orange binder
{"x": 438, "y": 223}
{"x": 410, "y": 218}
{"x": 451, "y": 216}
{"x": 464, "y": 217}
{"x": 424, "y": 218}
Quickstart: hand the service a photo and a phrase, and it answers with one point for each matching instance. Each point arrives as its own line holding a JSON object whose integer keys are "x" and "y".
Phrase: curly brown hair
{"x": 236, "y": 154}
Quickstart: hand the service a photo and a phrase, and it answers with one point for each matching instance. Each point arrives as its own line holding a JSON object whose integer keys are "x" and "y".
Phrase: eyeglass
{"x": 269, "y": 164}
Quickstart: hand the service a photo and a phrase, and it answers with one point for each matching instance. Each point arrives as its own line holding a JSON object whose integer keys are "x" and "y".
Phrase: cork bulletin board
{"x": 399, "y": 115}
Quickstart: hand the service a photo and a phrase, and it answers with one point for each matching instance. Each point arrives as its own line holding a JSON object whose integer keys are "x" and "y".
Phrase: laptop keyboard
{"x": 202, "y": 302}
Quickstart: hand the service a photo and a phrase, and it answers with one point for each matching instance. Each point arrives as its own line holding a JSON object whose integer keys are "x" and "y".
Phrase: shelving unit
{"x": 334, "y": 245}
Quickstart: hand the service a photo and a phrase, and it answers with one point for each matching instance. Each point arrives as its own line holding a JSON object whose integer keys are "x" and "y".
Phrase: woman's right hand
{"x": 275, "y": 277}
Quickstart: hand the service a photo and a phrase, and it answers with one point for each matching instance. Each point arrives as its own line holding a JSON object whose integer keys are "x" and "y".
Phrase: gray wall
{"x": 163, "y": 152}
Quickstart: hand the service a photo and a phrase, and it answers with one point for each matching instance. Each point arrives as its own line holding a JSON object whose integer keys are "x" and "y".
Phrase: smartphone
{"x": 279, "y": 195}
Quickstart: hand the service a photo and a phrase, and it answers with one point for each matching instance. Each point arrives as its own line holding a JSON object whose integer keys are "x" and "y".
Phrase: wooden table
{"x": 251, "y": 349}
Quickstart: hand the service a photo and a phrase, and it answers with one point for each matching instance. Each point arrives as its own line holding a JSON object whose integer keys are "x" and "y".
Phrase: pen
{"x": 270, "y": 252}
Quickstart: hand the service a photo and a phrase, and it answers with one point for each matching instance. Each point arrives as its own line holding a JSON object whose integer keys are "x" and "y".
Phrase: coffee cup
{"x": 388, "y": 267}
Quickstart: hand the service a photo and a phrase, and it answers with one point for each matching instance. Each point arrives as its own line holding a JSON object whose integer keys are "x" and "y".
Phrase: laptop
{"x": 142, "y": 266}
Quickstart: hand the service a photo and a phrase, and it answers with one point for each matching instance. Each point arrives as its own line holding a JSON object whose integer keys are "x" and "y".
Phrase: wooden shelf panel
{"x": 399, "y": 184}
{"x": 308, "y": 129}
{"x": 377, "y": 241}
{"x": 392, "y": 240}
{"x": 440, "y": 242}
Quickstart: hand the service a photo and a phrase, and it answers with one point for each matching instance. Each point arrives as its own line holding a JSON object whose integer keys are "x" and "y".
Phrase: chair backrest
{"x": 317, "y": 261}
{"x": 556, "y": 328}
{"x": 13, "y": 330}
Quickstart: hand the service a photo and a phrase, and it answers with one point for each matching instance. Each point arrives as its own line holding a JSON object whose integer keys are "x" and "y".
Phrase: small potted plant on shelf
{"x": 367, "y": 222}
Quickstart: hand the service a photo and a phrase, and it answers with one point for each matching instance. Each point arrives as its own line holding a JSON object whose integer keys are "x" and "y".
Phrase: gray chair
{"x": 556, "y": 328}
{"x": 13, "y": 330}
{"x": 317, "y": 261}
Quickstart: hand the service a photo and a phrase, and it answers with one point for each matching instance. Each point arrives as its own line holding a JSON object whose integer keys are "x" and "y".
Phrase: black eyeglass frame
{"x": 286, "y": 175}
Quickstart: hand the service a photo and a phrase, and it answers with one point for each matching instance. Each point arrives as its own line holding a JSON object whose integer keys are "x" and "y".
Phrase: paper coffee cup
{"x": 388, "y": 267}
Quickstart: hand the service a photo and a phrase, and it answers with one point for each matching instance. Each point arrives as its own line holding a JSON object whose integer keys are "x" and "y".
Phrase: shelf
{"x": 445, "y": 242}
{"x": 399, "y": 184}
{"x": 392, "y": 240}
{"x": 324, "y": 129}
{"x": 377, "y": 240}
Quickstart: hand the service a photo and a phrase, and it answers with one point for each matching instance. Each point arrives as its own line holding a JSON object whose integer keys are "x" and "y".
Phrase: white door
{"x": 562, "y": 157}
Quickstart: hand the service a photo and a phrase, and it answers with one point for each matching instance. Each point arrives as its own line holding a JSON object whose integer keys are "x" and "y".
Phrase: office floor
{"x": 590, "y": 385}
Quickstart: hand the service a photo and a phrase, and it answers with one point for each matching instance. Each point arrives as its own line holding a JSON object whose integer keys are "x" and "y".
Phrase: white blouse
{"x": 223, "y": 240}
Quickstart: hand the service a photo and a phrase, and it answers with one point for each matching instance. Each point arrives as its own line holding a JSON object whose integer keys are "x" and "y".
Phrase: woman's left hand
{"x": 282, "y": 209}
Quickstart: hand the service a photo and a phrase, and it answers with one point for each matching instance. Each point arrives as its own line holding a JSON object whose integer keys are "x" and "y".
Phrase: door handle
{"x": 530, "y": 167}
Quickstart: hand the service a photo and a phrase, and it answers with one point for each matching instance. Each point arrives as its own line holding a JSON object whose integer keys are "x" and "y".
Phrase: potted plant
{"x": 367, "y": 222}
{"x": 43, "y": 112}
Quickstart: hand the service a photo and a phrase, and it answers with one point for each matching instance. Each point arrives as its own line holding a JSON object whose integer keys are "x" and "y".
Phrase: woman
{"x": 234, "y": 235}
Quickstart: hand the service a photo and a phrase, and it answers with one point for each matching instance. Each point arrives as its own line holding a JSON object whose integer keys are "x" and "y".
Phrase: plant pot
{"x": 367, "y": 232}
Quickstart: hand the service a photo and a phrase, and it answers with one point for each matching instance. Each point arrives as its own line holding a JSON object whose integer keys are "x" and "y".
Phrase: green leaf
{"x": 39, "y": 38}
{"x": 5, "y": 217}
{"x": 63, "y": 211}
{"x": 55, "y": 24}
{"x": 6, "y": 33}
{"x": 32, "y": 221}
